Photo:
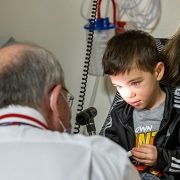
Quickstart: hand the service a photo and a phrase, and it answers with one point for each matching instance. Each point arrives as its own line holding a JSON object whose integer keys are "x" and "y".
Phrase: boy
{"x": 145, "y": 117}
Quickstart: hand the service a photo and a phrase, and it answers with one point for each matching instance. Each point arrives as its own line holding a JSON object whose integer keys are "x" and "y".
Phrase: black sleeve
{"x": 168, "y": 160}
{"x": 108, "y": 120}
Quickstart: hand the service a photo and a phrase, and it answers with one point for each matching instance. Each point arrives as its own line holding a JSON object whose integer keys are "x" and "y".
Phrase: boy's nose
{"x": 129, "y": 93}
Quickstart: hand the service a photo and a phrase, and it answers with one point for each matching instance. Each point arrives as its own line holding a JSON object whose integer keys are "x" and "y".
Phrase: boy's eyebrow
{"x": 135, "y": 79}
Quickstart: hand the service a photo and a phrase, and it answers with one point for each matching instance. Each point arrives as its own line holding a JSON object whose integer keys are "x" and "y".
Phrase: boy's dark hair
{"x": 133, "y": 48}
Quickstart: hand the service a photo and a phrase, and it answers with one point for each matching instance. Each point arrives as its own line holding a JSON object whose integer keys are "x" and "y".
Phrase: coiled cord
{"x": 86, "y": 62}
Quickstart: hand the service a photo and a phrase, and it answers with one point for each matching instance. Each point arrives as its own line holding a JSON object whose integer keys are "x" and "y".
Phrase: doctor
{"x": 34, "y": 113}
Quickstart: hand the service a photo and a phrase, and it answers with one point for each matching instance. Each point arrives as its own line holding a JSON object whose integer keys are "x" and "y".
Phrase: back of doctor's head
{"x": 27, "y": 74}
{"x": 133, "y": 48}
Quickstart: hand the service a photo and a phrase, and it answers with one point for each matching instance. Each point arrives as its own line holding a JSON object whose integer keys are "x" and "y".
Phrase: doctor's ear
{"x": 54, "y": 99}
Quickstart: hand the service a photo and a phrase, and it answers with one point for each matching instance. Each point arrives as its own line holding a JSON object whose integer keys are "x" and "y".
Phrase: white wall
{"x": 58, "y": 26}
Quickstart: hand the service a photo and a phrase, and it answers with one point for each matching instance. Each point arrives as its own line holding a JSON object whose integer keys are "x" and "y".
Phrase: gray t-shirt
{"x": 146, "y": 124}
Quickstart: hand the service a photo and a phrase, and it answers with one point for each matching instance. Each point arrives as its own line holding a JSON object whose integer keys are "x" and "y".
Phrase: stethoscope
{"x": 37, "y": 123}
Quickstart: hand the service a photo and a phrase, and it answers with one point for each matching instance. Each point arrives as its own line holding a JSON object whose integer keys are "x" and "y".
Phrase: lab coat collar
{"x": 20, "y": 113}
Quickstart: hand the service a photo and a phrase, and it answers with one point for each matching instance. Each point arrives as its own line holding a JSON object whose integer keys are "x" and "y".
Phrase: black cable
{"x": 86, "y": 62}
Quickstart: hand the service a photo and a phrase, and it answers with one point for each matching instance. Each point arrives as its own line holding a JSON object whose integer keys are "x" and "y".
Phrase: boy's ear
{"x": 54, "y": 99}
{"x": 159, "y": 70}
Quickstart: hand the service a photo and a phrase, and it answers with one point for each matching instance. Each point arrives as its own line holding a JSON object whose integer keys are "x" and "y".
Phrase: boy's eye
{"x": 135, "y": 83}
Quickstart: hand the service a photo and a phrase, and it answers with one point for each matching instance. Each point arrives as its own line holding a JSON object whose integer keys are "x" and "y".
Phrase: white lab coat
{"x": 31, "y": 153}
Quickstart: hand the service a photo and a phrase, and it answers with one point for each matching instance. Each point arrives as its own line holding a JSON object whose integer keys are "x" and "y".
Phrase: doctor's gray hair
{"x": 29, "y": 77}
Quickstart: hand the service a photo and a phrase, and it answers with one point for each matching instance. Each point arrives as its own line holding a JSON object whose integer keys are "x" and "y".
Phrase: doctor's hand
{"x": 146, "y": 154}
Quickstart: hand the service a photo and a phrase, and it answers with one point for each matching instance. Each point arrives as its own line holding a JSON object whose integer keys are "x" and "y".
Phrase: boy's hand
{"x": 146, "y": 154}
